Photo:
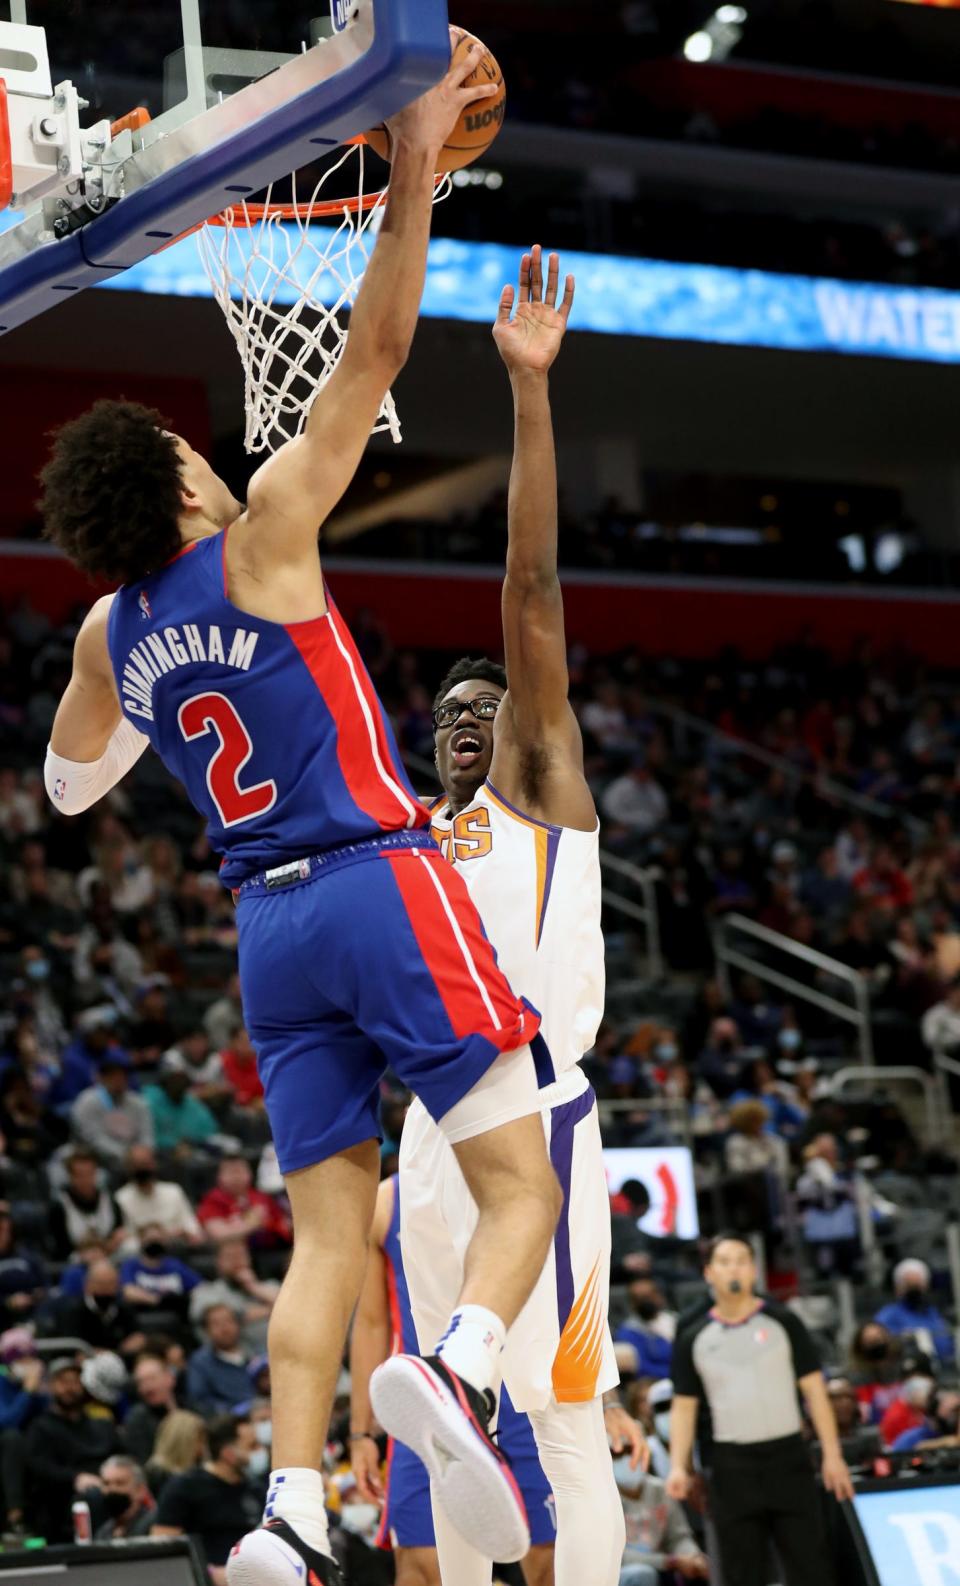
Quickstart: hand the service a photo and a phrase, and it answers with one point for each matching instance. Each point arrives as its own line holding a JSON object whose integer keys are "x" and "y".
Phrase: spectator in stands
{"x": 236, "y": 1285}
{"x": 659, "y": 1539}
{"x": 151, "y": 1032}
{"x": 605, "y": 721}
{"x": 65, "y": 1448}
{"x": 84, "y": 1210}
{"x": 635, "y": 801}
{"x": 908, "y": 1410}
{"x": 723, "y": 1061}
{"x": 751, "y": 1147}
{"x": 823, "y": 890}
{"x": 101, "y": 1317}
{"x": 125, "y": 1500}
{"x": 210, "y": 1503}
{"x": 874, "y": 1369}
{"x": 225, "y": 1016}
{"x": 110, "y": 1118}
{"x": 30, "y": 1130}
{"x": 22, "y": 1397}
{"x": 181, "y": 1121}
{"x": 154, "y": 1280}
{"x": 23, "y": 1277}
{"x": 193, "y": 1056}
{"x": 146, "y": 1201}
{"x": 240, "y": 1071}
{"x": 235, "y": 1209}
{"x": 858, "y": 1443}
{"x": 911, "y": 1311}
{"x": 857, "y": 946}
{"x": 156, "y": 1387}
{"x": 941, "y": 1023}
{"x": 940, "y": 1424}
{"x": 94, "y": 1040}
{"x": 181, "y": 1444}
{"x": 826, "y": 1192}
{"x": 881, "y": 883}
{"x": 217, "y": 1372}
{"x": 650, "y": 1328}
{"x": 106, "y": 967}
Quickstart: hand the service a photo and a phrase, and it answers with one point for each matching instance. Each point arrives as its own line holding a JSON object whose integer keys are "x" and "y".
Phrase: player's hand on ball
{"x": 626, "y": 1436}
{"x": 365, "y": 1463}
{"x": 678, "y": 1484}
{"x": 531, "y": 338}
{"x": 428, "y": 122}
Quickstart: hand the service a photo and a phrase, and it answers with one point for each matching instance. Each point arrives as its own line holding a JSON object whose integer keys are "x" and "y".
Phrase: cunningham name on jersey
{"x": 188, "y": 645}
{"x": 537, "y": 890}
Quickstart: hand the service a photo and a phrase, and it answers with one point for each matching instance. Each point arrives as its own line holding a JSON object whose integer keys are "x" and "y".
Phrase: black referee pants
{"x": 762, "y": 1493}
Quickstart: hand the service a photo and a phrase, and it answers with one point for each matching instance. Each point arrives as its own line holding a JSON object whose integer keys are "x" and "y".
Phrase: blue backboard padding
{"x": 409, "y": 52}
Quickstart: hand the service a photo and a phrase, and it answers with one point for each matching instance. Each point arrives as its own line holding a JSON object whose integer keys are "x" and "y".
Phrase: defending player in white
{"x": 518, "y": 821}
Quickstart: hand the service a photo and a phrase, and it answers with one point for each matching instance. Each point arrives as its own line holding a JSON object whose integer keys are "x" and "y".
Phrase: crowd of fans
{"x": 144, "y": 1229}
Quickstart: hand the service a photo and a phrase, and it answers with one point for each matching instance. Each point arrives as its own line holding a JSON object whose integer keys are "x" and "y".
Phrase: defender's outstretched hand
{"x": 531, "y": 339}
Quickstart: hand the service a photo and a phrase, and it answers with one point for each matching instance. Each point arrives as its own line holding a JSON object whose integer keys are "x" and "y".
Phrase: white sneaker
{"x": 275, "y": 1556}
{"x": 427, "y": 1406}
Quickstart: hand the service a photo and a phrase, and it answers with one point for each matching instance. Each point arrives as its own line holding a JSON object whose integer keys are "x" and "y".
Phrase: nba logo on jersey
{"x": 144, "y": 605}
{"x": 60, "y": 789}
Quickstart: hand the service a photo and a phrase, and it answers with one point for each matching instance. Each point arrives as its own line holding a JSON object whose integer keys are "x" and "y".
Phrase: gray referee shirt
{"x": 747, "y": 1372}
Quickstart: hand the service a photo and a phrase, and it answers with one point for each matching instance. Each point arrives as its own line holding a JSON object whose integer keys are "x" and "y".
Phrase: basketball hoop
{"x": 282, "y": 283}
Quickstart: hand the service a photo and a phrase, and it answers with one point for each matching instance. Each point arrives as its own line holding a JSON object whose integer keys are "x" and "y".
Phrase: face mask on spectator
{"x": 154, "y": 1248}
{"x": 115, "y": 1504}
{"x": 624, "y": 1476}
{"x": 359, "y": 1517}
{"x": 143, "y": 1175}
{"x": 915, "y": 1299}
{"x": 104, "y": 1302}
{"x": 876, "y": 1351}
{"x": 263, "y": 1431}
{"x": 661, "y": 1425}
{"x": 789, "y": 1040}
{"x": 38, "y": 969}
{"x": 258, "y": 1461}
{"x": 665, "y": 1051}
{"x": 648, "y": 1310}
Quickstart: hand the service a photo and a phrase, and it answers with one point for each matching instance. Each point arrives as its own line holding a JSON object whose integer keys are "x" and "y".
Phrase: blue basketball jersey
{"x": 275, "y": 731}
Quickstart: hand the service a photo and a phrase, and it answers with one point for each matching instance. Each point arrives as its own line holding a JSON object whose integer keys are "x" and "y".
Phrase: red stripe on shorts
{"x": 449, "y": 962}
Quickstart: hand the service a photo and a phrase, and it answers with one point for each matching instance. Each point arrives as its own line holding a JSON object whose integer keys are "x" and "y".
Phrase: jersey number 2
{"x": 214, "y": 713}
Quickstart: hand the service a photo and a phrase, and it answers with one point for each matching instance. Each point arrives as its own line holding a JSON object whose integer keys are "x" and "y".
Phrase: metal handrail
{"x": 905, "y": 1074}
{"x": 830, "y": 788}
{"x": 728, "y": 957}
{"x": 674, "y": 1109}
{"x": 644, "y": 912}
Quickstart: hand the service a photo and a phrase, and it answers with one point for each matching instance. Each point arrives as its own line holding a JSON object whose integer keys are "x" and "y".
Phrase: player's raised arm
{"x": 532, "y": 603}
{"x": 295, "y": 490}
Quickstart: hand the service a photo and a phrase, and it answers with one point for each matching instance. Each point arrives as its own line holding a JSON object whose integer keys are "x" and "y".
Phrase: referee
{"x": 745, "y": 1358}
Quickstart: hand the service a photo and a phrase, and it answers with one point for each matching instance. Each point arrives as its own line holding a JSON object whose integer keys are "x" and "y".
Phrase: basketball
{"x": 479, "y": 124}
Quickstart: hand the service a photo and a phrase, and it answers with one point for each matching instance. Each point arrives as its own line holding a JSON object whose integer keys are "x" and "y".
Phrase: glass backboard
{"x": 237, "y": 93}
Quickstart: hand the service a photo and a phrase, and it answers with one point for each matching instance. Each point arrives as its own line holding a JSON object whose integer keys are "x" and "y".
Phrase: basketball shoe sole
{"x": 444, "y": 1420}
{"x": 275, "y": 1556}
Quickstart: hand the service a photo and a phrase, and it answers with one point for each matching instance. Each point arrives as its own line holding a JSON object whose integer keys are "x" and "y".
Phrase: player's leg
{"x": 572, "y": 1444}
{"x": 320, "y": 1075}
{"x": 416, "y": 1566}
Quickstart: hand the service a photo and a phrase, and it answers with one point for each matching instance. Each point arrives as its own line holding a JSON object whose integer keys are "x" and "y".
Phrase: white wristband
{"x": 73, "y": 785}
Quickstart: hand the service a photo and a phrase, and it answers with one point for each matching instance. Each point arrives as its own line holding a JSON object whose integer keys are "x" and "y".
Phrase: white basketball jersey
{"x": 537, "y": 890}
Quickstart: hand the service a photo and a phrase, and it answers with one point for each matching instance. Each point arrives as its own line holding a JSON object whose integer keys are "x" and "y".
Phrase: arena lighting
{"x": 731, "y": 16}
{"x": 699, "y": 46}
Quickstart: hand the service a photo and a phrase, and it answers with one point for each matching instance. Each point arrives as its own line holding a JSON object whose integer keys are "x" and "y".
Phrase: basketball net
{"x": 283, "y": 283}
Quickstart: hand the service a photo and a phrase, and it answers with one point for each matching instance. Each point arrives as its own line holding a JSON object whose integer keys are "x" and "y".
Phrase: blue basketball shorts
{"x": 376, "y": 958}
{"x": 407, "y": 1517}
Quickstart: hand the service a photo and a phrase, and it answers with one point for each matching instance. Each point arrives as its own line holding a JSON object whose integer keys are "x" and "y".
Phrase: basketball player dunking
{"x": 517, "y": 820}
{"x": 358, "y": 944}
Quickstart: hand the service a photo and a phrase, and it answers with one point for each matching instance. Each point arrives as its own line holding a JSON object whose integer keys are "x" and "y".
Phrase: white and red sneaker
{"x": 427, "y": 1406}
{"x": 274, "y": 1555}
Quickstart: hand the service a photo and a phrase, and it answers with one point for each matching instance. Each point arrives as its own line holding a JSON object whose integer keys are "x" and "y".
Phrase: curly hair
{"x": 486, "y": 671}
{"x": 111, "y": 491}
